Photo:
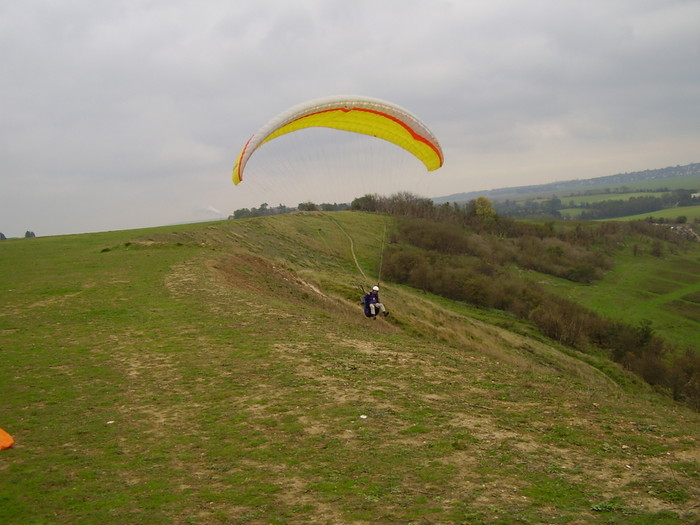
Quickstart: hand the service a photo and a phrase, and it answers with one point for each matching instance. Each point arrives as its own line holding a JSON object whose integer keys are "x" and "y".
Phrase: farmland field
{"x": 692, "y": 213}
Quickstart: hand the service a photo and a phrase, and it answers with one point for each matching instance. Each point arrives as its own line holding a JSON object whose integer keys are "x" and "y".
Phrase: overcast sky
{"x": 125, "y": 114}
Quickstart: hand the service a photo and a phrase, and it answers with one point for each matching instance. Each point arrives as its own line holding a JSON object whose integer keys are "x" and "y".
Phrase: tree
{"x": 483, "y": 208}
{"x": 307, "y": 206}
{"x": 366, "y": 203}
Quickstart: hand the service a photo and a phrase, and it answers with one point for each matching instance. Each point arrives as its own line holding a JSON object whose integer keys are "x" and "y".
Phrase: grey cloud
{"x": 120, "y": 98}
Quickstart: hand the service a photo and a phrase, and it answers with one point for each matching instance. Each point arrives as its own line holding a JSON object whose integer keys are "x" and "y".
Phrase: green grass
{"x": 219, "y": 373}
{"x": 691, "y": 213}
{"x": 662, "y": 289}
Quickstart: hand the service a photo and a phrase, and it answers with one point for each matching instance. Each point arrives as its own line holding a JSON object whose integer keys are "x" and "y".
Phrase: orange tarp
{"x": 6, "y": 440}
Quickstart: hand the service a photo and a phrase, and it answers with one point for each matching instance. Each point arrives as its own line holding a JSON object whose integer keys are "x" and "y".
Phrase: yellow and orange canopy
{"x": 365, "y": 115}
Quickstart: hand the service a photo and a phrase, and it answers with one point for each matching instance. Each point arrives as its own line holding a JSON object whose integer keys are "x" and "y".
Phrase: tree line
{"x": 27, "y": 235}
{"x": 266, "y": 210}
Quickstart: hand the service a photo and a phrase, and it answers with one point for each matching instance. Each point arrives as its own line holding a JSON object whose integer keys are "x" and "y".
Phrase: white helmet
{"x": 375, "y": 288}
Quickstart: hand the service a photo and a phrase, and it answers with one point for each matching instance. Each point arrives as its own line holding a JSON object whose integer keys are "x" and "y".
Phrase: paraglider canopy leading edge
{"x": 358, "y": 114}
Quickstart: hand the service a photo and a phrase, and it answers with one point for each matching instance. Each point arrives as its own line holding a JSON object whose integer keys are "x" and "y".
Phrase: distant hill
{"x": 578, "y": 185}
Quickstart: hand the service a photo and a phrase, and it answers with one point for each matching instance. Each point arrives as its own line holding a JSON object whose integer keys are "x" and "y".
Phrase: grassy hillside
{"x": 691, "y": 213}
{"x": 664, "y": 290}
{"x": 223, "y": 373}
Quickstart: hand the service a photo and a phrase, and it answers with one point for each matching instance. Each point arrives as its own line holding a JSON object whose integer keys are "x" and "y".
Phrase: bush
{"x": 684, "y": 379}
{"x": 443, "y": 238}
{"x": 563, "y": 321}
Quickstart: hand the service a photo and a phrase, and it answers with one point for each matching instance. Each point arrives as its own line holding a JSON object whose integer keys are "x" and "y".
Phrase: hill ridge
{"x": 688, "y": 170}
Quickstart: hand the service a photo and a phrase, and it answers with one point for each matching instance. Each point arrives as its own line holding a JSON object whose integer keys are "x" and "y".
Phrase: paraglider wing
{"x": 365, "y": 115}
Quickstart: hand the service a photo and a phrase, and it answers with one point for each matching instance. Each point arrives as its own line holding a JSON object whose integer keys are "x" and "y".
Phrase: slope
{"x": 223, "y": 373}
